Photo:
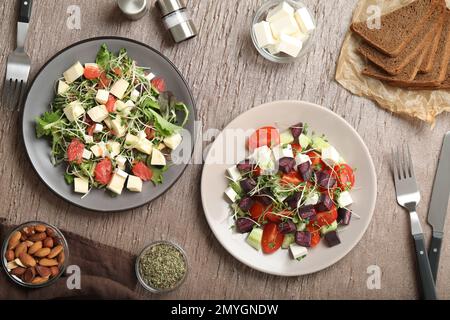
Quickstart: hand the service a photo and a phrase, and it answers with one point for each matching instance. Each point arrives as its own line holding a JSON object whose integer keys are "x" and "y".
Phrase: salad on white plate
{"x": 113, "y": 123}
{"x": 293, "y": 191}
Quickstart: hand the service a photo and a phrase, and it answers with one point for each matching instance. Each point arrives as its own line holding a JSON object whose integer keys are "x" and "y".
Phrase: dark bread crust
{"x": 406, "y": 21}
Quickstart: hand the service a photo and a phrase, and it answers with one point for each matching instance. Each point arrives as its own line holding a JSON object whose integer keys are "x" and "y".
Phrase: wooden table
{"x": 228, "y": 77}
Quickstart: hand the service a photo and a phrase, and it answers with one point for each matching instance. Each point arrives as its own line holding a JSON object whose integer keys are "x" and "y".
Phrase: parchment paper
{"x": 424, "y": 104}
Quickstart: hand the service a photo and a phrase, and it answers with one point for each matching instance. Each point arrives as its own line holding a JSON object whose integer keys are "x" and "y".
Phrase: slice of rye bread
{"x": 435, "y": 78}
{"x": 430, "y": 56}
{"x": 398, "y": 28}
{"x": 394, "y": 65}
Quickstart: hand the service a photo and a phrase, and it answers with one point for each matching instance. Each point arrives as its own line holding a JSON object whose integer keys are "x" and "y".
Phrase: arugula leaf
{"x": 103, "y": 56}
{"x": 180, "y": 106}
{"x": 158, "y": 177}
{"x": 162, "y": 125}
{"x": 69, "y": 178}
{"x": 45, "y": 123}
{"x": 150, "y": 103}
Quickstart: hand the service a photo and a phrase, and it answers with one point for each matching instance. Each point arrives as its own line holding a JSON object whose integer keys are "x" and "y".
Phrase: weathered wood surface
{"x": 227, "y": 78}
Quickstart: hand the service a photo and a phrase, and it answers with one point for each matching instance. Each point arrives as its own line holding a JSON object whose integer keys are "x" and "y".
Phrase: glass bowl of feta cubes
{"x": 282, "y": 31}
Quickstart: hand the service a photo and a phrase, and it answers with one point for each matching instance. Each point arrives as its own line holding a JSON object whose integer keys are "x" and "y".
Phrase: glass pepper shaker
{"x": 177, "y": 20}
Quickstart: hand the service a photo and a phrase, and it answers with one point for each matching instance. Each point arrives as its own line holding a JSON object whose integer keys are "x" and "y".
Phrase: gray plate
{"x": 41, "y": 94}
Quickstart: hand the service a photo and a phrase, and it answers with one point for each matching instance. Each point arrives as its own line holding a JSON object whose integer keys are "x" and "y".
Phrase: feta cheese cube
{"x": 119, "y": 127}
{"x": 263, "y": 158}
{"x": 290, "y": 45}
{"x": 134, "y": 95}
{"x": 102, "y": 96}
{"x": 263, "y": 34}
{"x": 312, "y": 199}
{"x": 150, "y": 76}
{"x": 88, "y": 139}
{"x": 173, "y": 141}
{"x": 98, "y": 128}
{"x": 62, "y": 87}
{"x": 145, "y": 146}
{"x": 231, "y": 194}
{"x": 161, "y": 146}
{"x": 73, "y": 73}
{"x": 121, "y": 162}
{"x": 302, "y": 158}
{"x": 108, "y": 123}
{"x": 113, "y": 148}
{"x": 304, "y": 20}
{"x": 344, "y": 199}
{"x": 301, "y": 36}
{"x": 330, "y": 156}
{"x": 119, "y": 88}
{"x": 116, "y": 184}
{"x": 98, "y": 150}
{"x": 234, "y": 173}
{"x": 273, "y": 49}
{"x": 92, "y": 65}
{"x": 81, "y": 185}
{"x": 286, "y": 25}
{"x": 142, "y": 135}
{"x": 98, "y": 113}
{"x": 121, "y": 173}
{"x": 119, "y": 105}
{"x": 297, "y": 251}
{"x": 287, "y": 152}
{"x": 134, "y": 184}
{"x": 87, "y": 154}
{"x": 281, "y": 11}
{"x": 158, "y": 158}
{"x": 131, "y": 141}
{"x": 130, "y": 104}
{"x": 74, "y": 110}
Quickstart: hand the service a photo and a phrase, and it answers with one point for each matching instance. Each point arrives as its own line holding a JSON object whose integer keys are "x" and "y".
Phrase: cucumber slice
{"x": 255, "y": 237}
{"x": 286, "y": 137}
{"x": 288, "y": 240}
{"x": 332, "y": 227}
{"x": 319, "y": 143}
{"x": 304, "y": 141}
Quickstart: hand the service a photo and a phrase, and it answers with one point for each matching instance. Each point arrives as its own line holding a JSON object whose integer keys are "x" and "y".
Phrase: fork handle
{"x": 426, "y": 276}
{"x": 25, "y": 10}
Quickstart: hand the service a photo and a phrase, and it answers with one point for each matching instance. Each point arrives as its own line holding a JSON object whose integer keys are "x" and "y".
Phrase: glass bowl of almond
{"x": 35, "y": 254}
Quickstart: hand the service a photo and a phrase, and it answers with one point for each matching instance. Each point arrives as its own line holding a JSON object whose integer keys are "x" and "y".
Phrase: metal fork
{"x": 18, "y": 65}
{"x": 408, "y": 196}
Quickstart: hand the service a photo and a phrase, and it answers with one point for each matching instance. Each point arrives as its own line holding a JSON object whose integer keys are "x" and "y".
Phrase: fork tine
{"x": 395, "y": 164}
{"x": 404, "y": 162}
{"x": 411, "y": 166}
{"x": 20, "y": 96}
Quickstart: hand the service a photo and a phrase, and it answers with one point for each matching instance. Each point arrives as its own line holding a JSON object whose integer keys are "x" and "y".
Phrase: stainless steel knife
{"x": 439, "y": 204}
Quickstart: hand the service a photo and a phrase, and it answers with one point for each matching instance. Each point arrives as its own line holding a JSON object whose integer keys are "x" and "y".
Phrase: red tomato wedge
{"x": 265, "y": 136}
{"x": 104, "y": 82}
{"x": 150, "y": 133}
{"x": 258, "y": 209}
{"x": 159, "y": 84}
{"x": 110, "y": 104}
{"x": 90, "y": 130}
{"x": 325, "y": 218}
{"x": 75, "y": 151}
{"x": 316, "y": 159}
{"x": 117, "y": 71}
{"x": 345, "y": 176}
{"x": 272, "y": 238}
{"x": 315, "y": 235}
{"x": 103, "y": 171}
{"x": 291, "y": 178}
{"x": 142, "y": 171}
{"x": 278, "y": 218}
{"x": 92, "y": 72}
{"x": 296, "y": 148}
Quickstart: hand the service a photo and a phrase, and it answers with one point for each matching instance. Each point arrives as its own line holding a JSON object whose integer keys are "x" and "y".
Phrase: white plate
{"x": 284, "y": 114}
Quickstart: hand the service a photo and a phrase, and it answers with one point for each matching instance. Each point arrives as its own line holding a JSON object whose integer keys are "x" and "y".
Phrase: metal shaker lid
{"x": 169, "y": 6}
{"x": 183, "y": 31}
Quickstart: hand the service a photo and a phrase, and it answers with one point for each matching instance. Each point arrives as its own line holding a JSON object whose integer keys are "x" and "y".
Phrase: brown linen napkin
{"x": 106, "y": 273}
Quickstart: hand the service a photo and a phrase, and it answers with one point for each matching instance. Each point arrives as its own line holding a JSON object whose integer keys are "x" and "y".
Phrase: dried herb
{"x": 162, "y": 266}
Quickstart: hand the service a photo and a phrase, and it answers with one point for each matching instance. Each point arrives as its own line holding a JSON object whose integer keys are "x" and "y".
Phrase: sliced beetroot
{"x": 305, "y": 170}
{"x": 287, "y": 227}
{"x": 246, "y": 203}
{"x": 245, "y": 166}
{"x": 244, "y": 225}
{"x": 297, "y": 130}
{"x": 248, "y": 185}
{"x": 325, "y": 203}
{"x": 265, "y": 197}
{"x": 332, "y": 239}
{"x": 325, "y": 180}
{"x": 286, "y": 164}
{"x": 303, "y": 238}
{"x": 307, "y": 212}
{"x": 292, "y": 201}
{"x": 344, "y": 216}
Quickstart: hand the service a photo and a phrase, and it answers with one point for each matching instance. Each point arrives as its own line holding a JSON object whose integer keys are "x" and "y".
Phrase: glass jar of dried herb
{"x": 161, "y": 267}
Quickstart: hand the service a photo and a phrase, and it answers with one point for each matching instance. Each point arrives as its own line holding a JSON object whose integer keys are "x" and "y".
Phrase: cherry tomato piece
{"x": 272, "y": 238}
{"x": 345, "y": 176}
{"x": 103, "y": 171}
{"x": 92, "y": 72}
{"x": 142, "y": 171}
{"x": 111, "y": 103}
{"x": 159, "y": 84}
{"x": 265, "y": 136}
{"x": 75, "y": 151}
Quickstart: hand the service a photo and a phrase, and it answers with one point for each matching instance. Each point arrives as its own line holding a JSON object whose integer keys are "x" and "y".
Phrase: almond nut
{"x": 29, "y": 243}
{"x": 48, "y": 242}
{"x": 29, "y": 275}
{"x": 40, "y": 228}
{"x": 21, "y": 247}
{"x": 39, "y": 280}
{"x": 9, "y": 255}
{"x": 19, "y": 263}
{"x": 44, "y": 272}
{"x": 51, "y": 233}
{"x": 28, "y": 231}
{"x": 55, "y": 251}
{"x": 23, "y": 237}
{"x": 38, "y": 236}
{"x": 54, "y": 270}
{"x": 61, "y": 258}
{"x": 27, "y": 260}
{"x": 35, "y": 247}
{"x": 19, "y": 271}
{"x": 48, "y": 262}
{"x": 43, "y": 252}
{"x": 14, "y": 240}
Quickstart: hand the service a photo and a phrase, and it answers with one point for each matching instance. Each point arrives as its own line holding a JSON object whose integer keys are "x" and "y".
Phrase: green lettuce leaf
{"x": 46, "y": 122}
{"x": 158, "y": 174}
{"x": 103, "y": 57}
{"x": 162, "y": 125}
